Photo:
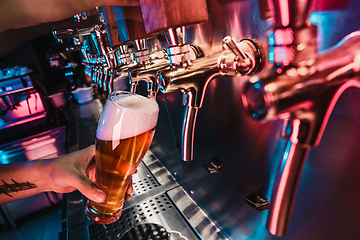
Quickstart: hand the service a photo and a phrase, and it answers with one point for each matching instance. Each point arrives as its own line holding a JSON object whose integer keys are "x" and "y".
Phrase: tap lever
{"x": 231, "y": 44}
{"x": 250, "y": 56}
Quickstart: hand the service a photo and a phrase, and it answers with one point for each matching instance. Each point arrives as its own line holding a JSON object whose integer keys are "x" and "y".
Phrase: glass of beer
{"x": 124, "y": 134}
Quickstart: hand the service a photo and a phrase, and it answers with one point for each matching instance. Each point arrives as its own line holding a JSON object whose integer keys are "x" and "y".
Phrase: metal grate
{"x": 88, "y": 117}
{"x": 133, "y": 217}
{"x": 141, "y": 185}
{"x": 148, "y": 231}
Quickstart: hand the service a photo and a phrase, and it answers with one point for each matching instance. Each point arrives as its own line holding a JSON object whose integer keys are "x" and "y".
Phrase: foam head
{"x": 126, "y": 115}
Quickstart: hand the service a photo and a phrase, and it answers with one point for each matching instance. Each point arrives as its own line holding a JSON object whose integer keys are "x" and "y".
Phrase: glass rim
{"x": 116, "y": 93}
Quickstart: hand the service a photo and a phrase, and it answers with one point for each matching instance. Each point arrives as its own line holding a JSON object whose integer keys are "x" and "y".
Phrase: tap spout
{"x": 288, "y": 176}
{"x": 188, "y": 129}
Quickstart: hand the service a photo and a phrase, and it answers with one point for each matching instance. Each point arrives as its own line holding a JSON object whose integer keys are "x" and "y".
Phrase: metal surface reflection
{"x": 298, "y": 97}
{"x": 301, "y": 88}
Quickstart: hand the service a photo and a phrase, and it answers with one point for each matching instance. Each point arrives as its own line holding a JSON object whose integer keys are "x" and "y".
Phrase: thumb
{"x": 89, "y": 189}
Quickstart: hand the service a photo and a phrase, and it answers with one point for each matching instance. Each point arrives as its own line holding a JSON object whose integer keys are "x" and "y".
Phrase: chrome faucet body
{"x": 302, "y": 89}
{"x": 147, "y": 73}
{"x": 144, "y": 64}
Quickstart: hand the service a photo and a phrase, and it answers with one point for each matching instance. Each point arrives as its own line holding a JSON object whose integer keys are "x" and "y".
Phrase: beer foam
{"x": 126, "y": 115}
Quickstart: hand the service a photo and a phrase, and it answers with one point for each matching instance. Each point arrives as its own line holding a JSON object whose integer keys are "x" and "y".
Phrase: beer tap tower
{"x": 301, "y": 88}
{"x": 103, "y": 61}
{"x": 130, "y": 30}
{"x": 190, "y": 77}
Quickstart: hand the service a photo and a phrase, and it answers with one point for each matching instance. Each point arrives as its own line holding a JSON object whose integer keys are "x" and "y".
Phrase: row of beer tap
{"x": 175, "y": 70}
{"x": 300, "y": 86}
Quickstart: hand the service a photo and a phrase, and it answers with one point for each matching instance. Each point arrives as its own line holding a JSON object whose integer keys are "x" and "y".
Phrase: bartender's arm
{"x": 62, "y": 174}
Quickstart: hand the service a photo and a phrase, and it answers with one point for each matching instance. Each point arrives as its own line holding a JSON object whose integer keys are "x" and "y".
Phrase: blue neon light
{"x": 257, "y": 85}
{"x": 4, "y": 159}
{"x": 271, "y": 54}
{"x": 271, "y": 39}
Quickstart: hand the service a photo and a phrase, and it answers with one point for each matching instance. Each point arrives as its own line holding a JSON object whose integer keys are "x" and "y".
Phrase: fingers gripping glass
{"x": 124, "y": 134}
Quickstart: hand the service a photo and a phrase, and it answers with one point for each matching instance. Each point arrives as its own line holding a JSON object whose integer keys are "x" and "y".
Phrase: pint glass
{"x": 124, "y": 134}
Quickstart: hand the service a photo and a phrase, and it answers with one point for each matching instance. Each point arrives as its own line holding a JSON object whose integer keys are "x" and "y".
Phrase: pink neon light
{"x": 22, "y": 109}
{"x": 348, "y": 84}
{"x": 284, "y": 11}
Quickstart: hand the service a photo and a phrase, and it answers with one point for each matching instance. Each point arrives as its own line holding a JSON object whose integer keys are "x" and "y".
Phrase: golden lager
{"x": 124, "y": 134}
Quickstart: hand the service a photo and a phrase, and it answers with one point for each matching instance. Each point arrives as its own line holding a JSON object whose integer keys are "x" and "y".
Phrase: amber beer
{"x": 124, "y": 134}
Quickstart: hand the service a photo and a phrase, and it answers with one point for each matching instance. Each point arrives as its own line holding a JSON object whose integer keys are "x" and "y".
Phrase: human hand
{"x": 76, "y": 171}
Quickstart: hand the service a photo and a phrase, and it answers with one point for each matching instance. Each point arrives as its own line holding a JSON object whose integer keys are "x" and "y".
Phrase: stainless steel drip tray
{"x": 156, "y": 210}
{"x": 158, "y": 200}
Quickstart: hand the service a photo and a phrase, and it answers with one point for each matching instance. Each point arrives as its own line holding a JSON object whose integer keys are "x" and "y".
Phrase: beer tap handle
{"x": 288, "y": 176}
{"x": 249, "y": 55}
{"x": 231, "y": 44}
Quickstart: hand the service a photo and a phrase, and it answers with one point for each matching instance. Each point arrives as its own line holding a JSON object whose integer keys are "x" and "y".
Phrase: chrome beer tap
{"x": 107, "y": 70}
{"x": 92, "y": 26}
{"x": 302, "y": 88}
{"x": 146, "y": 69}
{"x": 192, "y": 78}
{"x": 142, "y": 58}
{"x": 129, "y": 23}
{"x": 123, "y": 55}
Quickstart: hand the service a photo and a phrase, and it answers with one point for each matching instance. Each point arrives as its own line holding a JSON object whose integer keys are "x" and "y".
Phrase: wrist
{"x": 42, "y": 170}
